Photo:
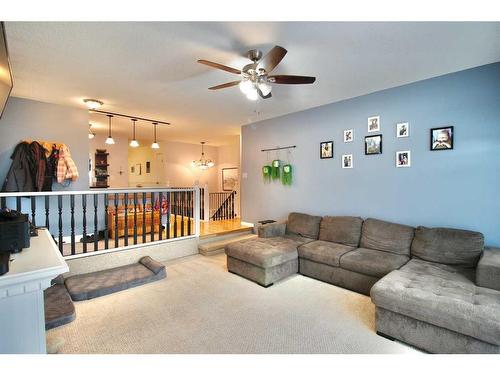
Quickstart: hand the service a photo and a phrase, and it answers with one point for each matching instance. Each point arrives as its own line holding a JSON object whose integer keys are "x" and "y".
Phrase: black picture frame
{"x": 431, "y": 143}
{"x": 366, "y": 145}
{"x": 328, "y": 156}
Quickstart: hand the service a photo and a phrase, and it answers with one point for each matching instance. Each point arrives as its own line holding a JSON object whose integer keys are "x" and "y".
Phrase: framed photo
{"x": 229, "y": 179}
{"x": 138, "y": 169}
{"x": 403, "y": 159}
{"x": 132, "y": 169}
{"x": 373, "y": 144}
{"x": 442, "y": 138}
{"x": 326, "y": 150}
{"x": 148, "y": 167}
{"x": 373, "y": 124}
{"x": 347, "y": 161}
{"x": 348, "y": 135}
{"x": 402, "y": 130}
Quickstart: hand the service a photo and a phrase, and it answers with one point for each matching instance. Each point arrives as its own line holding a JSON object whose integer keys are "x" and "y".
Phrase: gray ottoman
{"x": 263, "y": 260}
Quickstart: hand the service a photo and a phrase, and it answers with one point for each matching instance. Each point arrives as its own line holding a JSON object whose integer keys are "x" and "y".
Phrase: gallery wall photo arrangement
{"x": 403, "y": 159}
{"x": 348, "y": 135}
{"x": 402, "y": 130}
{"x": 373, "y": 144}
{"x": 229, "y": 179}
{"x": 373, "y": 124}
{"x": 442, "y": 138}
{"x": 326, "y": 150}
{"x": 347, "y": 161}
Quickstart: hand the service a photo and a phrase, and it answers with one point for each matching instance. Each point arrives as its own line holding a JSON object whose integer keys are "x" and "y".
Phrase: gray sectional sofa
{"x": 435, "y": 288}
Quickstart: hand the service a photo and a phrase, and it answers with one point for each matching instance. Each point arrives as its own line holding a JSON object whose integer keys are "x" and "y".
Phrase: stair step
{"x": 217, "y": 247}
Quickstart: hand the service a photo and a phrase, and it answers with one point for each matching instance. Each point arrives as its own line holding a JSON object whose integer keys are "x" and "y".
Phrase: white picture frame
{"x": 347, "y": 161}
{"x": 348, "y": 135}
{"x": 403, "y": 159}
{"x": 402, "y": 130}
{"x": 373, "y": 124}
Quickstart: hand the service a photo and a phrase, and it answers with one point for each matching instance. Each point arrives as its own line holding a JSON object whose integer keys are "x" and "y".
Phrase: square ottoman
{"x": 263, "y": 260}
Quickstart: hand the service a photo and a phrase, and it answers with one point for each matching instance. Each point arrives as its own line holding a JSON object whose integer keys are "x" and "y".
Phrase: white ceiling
{"x": 150, "y": 69}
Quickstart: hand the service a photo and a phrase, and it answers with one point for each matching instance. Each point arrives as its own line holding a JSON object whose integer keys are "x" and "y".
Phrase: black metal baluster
{"x": 106, "y": 221}
{"x": 47, "y": 211}
{"x": 18, "y": 204}
{"x": 33, "y": 211}
{"x": 135, "y": 218}
{"x": 96, "y": 230}
{"x": 152, "y": 226}
{"x": 169, "y": 204}
{"x": 72, "y": 222}
{"x": 84, "y": 222}
{"x": 182, "y": 213}
{"x": 115, "y": 201}
{"x": 160, "y": 225}
{"x": 190, "y": 217}
{"x": 60, "y": 207}
{"x": 175, "y": 214}
{"x": 143, "y": 217}
{"x": 125, "y": 199}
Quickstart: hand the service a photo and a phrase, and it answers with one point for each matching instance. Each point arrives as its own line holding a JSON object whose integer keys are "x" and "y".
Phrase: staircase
{"x": 215, "y": 245}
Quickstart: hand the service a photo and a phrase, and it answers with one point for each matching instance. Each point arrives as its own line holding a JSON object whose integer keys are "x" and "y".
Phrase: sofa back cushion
{"x": 448, "y": 246}
{"x": 345, "y": 230}
{"x": 304, "y": 225}
{"x": 385, "y": 236}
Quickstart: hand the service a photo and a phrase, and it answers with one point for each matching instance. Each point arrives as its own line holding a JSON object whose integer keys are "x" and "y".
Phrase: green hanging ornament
{"x": 286, "y": 177}
{"x": 266, "y": 173}
{"x": 275, "y": 170}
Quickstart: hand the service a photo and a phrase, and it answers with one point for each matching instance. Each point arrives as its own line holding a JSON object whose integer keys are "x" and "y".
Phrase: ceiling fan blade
{"x": 224, "y": 85}
{"x": 291, "y": 80}
{"x": 220, "y": 66}
{"x": 262, "y": 95}
{"x": 272, "y": 59}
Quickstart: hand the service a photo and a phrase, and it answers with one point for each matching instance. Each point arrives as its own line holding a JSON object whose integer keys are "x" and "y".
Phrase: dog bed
{"x": 100, "y": 283}
{"x": 59, "y": 308}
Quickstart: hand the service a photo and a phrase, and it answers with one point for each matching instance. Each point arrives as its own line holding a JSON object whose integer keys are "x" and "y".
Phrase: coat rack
{"x": 278, "y": 148}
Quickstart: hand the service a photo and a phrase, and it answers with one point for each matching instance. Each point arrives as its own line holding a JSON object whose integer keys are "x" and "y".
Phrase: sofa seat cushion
{"x": 303, "y": 225}
{"x": 324, "y": 252}
{"x": 448, "y": 246}
{"x": 386, "y": 236}
{"x": 345, "y": 230}
{"x": 372, "y": 262}
{"x": 442, "y": 295}
{"x": 264, "y": 252}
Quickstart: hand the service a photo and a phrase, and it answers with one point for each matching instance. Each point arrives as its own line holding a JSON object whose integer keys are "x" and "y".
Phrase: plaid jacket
{"x": 66, "y": 168}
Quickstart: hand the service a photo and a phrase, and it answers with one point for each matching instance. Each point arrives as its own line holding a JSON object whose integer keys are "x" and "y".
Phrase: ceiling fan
{"x": 255, "y": 80}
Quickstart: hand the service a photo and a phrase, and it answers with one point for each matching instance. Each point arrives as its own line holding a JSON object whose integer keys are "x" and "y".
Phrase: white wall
{"x": 229, "y": 157}
{"x": 25, "y": 119}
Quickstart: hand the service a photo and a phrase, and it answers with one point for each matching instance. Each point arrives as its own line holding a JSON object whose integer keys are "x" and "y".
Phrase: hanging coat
{"x": 39, "y": 165}
{"x": 66, "y": 167}
{"x": 20, "y": 175}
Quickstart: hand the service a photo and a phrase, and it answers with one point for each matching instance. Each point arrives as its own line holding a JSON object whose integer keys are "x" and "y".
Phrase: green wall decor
{"x": 286, "y": 177}
{"x": 275, "y": 170}
{"x": 266, "y": 173}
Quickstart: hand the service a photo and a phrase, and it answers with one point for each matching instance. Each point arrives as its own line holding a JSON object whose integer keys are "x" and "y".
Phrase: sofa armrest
{"x": 488, "y": 269}
{"x": 272, "y": 230}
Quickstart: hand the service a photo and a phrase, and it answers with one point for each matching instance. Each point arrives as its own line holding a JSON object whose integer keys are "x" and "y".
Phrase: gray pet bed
{"x": 100, "y": 283}
{"x": 59, "y": 308}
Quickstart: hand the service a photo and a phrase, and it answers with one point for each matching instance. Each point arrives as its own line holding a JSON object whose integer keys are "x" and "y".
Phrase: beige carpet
{"x": 201, "y": 308}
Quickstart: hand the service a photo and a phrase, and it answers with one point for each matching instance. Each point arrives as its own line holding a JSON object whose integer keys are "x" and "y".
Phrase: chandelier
{"x": 202, "y": 163}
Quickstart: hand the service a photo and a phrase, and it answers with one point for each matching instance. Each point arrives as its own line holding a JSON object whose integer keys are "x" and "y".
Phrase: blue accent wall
{"x": 459, "y": 188}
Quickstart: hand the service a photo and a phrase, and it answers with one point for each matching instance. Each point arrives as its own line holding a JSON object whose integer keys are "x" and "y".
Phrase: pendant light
{"x": 133, "y": 142}
{"x": 91, "y": 133}
{"x": 155, "y": 144}
{"x": 202, "y": 163}
{"x": 109, "y": 140}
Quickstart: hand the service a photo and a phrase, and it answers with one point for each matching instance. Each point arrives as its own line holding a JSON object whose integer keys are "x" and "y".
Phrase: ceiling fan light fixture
{"x": 246, "y": 86}
{"x": 252, "y": 95}
{"x": 265, "y": 88}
